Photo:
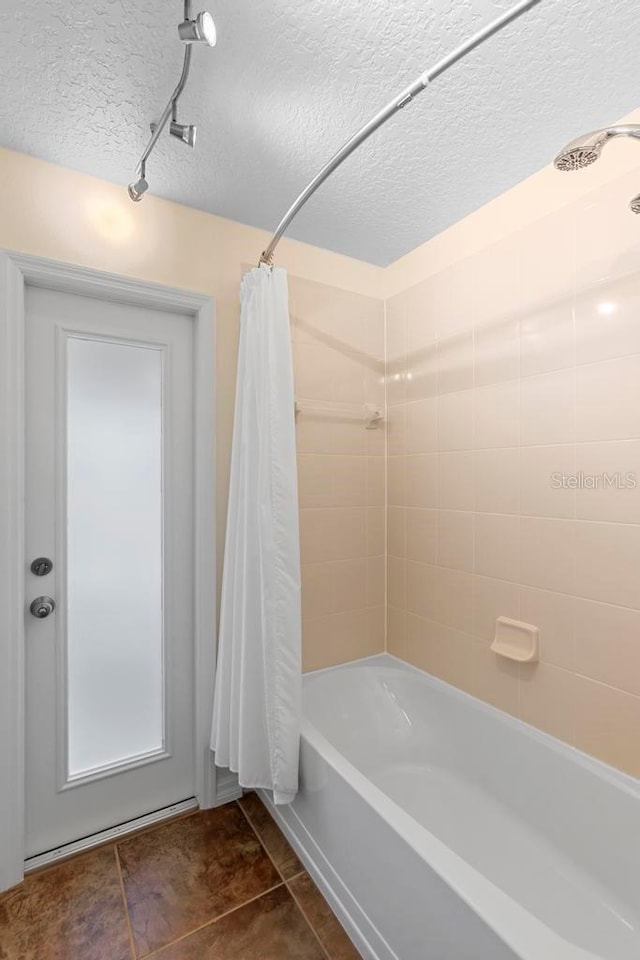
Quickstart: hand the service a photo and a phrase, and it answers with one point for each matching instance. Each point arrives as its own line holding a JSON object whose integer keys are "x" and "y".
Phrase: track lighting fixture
{"x": 138, "y": 189}
{"x": 201, "y": 29}
{"x": 191, "y": 30}
{"x": 184, "y": 132}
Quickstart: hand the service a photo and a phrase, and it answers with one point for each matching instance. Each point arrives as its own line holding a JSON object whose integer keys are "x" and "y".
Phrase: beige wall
{"x": 513, "y": 353}
{"x": 52, "y": 212}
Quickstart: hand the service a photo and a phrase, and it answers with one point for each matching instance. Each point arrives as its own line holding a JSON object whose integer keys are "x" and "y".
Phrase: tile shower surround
{"x": 520, "y": 362}
{"x": 338, "y": 347}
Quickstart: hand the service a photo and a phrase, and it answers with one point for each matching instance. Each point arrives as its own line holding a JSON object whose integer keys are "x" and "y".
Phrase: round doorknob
{"x": 41, "y": 607}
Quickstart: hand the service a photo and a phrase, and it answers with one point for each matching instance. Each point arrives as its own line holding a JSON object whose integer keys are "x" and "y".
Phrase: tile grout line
{"x": 259, "y": 839}
{"x": 307, "y": 920}
{"x": 226, "y": 913}
{"x": 132, "y": 944}
{"x": 210, "y": 923}
{"x": 285, "y": 882}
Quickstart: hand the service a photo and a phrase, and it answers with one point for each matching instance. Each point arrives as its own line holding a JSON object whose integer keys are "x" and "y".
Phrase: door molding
{"x": 16, "y": 271}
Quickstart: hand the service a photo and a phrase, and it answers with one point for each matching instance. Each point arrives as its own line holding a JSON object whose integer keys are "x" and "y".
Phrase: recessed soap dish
{"x": 516, "y": 640}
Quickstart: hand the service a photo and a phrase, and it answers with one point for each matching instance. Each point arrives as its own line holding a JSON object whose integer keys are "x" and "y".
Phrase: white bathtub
{"x": 442, "y": 829}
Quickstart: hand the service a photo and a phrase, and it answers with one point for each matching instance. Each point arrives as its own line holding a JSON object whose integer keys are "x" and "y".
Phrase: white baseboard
{"x": 362, "y": 932}
{"x": 227, "y": 787}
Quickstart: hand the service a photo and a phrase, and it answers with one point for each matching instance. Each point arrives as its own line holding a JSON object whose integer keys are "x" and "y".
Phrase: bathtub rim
{"x": 613, "y": 775}
{"x": 512, "y": 923}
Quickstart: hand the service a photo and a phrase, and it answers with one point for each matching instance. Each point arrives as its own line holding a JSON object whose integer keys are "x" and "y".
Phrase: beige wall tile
{"x": 455, "y": 363}
{"x": 454, "y": 599}
{"x": 606, "y": 320}
{"x": 319, "y": 432}
{"x": 497, "y": 415}
{"x": 332, "y": 533}
{"x": 397, "y": 430}
{"x": 375, "y": 443}
{"x": 376, "y": 538}
{"x": 439, "y": 650}
{"x": 497, "y": 488}
{"x": 456, "y": 481}
{"x": 333, "y": 587}
{"x": 397, "y": 632}
{"x": 608, "y": 400}
{"x": 545, "y": 484}
{"x": 397, "y": 481}
{"x": 497, "y": 352}
{"x": 422, "y": 310}
{"x": 397, "y": 531}
{"x": 608, "y": 562}
{"x": 422, "y": 481}
{"x": 422, "y": 371}
{"x": 494, "y": 679}
{"x": 547, "y": 699}
{"x": 422, "y": 535}
{"x": 607, "y": 644}
{"x": 455, "y": 421}
{"x": 546, "y": 338}
{"x": 323, "y": 373}
{"x": 547, "y": 554}
{"x": 455, "y": 539}
{"x": 422, "y": 426}
{"x": 376, "y": 481}
{"x": 497, "y": 546}
{"x": 614, "y": 494}
{"x": 422, "y": 590}
{"x": 331, "y": 481}
{"x": 396, "y": 329}
{"x": 452, "y": 298}
{"x": 397, "y": 582}
{"x": 607, "y": 723}
{"x": 376, "y": 582}
{"x": 493, "y": 599}
{"x": 547, "y": 414}
{"x": 342, "y": 637}
{"x": 553, "y": 614}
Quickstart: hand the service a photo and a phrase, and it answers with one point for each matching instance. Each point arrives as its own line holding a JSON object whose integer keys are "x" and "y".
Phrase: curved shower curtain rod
{"x": 380, "y": 118}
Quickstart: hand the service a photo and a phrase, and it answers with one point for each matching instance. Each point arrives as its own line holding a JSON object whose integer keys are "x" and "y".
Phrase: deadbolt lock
{"x": 41, "y": 566}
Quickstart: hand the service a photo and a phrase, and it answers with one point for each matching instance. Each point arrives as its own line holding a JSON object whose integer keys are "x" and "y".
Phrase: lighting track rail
{"x": 191, "y": 30}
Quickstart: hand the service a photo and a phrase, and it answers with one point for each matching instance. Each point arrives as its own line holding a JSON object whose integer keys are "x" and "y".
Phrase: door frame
{"x": 16, "y": 271}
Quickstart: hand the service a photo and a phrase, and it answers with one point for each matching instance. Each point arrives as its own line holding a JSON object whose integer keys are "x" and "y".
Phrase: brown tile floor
{"x": 222, "y": 884}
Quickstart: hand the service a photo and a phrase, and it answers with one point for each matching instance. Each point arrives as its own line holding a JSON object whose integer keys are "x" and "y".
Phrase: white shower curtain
{"x": 256, "y": 716}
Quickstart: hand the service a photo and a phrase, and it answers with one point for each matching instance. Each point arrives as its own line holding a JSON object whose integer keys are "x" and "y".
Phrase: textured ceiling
{"x": 290, "y": 80}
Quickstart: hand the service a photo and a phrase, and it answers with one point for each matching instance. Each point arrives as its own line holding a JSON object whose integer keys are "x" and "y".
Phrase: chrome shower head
{"x": 586, "y": 150}
{"x": 582, "y": 152}
{"x": 138, "y": 189}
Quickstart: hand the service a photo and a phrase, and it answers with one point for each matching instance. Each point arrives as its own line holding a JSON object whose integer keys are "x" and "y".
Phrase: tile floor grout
{"x": 285, "y": 881}
{"x": 308, "y": 921}
{"x": 284, "y": 889}
{"x": 127, "y": 917}
{"x": 210, "y": 923}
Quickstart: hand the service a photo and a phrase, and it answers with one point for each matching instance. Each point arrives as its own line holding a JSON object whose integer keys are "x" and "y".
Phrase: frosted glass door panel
{"x": 114, "y": 553}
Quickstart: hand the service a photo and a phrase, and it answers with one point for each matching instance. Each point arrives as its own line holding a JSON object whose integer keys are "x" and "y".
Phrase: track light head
{"x": 202, "y": 28}
{"x": 182, "y": 131}
{"x": 138, "y": 189}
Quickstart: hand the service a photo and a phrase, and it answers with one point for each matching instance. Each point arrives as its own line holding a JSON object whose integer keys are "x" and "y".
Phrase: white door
{"x": 109, "y": 501}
